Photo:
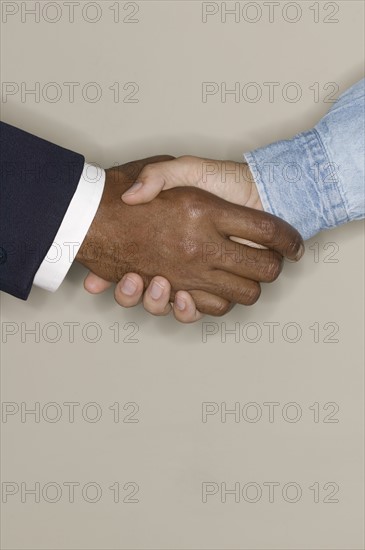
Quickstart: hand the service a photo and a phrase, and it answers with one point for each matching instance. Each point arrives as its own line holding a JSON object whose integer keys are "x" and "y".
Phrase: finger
{"x": 132, "y": 170}
{"x": 261, "y": 265}
{"x": 154, "y": 178}
{"x": 232, "y": 288}
{"x": 158, "y": 176}
{"x": 210, "y": 304}
{"x": 185, "y": 309}
{"x": 261, "y": 228}
{"x": 95, "y": 284}
{"x": 156, "y": 299}
{"x": 129, "y": 290}
{"x": 148, "y": 186}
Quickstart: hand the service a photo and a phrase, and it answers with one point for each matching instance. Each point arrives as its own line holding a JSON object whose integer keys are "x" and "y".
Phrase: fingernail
{"x": 156, "y": 290}
{"x": 300, "y": 252}
{"x": 135, "y": 187}
{"x": 128, "y": 286}
{"x": 180, "y": 303}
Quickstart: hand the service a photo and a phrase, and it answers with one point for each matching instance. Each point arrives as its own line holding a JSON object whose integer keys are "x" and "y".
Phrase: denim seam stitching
{"x": 333, "y": 186}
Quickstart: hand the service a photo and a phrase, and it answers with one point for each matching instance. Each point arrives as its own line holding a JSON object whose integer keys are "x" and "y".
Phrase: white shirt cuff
{"x": 73, "y": 229}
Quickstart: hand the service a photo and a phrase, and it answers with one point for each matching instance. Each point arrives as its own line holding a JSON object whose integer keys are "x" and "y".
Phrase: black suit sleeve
{"x": 37, "y": 182}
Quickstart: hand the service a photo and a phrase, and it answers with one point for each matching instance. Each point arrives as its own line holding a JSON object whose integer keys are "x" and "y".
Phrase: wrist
{"x": 253, "y": 200}
{"x": 81, "y": 254}
{"x": 86, "y": 252}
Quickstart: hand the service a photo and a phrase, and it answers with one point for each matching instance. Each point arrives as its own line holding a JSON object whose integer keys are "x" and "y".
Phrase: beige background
{"x": 169, "y": 371}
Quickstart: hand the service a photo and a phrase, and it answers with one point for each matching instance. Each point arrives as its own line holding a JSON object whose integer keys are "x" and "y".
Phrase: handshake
{"x": 199, "y": 247}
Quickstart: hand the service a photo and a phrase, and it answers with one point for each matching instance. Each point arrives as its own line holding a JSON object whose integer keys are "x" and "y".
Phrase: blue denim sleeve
{"x": 316, "y": 180}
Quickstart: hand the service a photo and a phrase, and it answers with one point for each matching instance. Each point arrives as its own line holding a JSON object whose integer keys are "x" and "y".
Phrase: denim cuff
{"x": 297, "y": 182}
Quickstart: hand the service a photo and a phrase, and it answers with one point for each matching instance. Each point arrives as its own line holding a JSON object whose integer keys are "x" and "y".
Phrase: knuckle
{"x": 225, "y": 288}
{"x": 192, "y": 202}
{"x": 269, "y": 229}
{"x": 294, "y": 245}
{"x": 272, "y": 270}
{"x": 185, "y": 158}
{"x": 252, "y": 295}
{"x": 191, "y": 249}
{"x": 219, "y": 308}
{"x": 147, "y": 171}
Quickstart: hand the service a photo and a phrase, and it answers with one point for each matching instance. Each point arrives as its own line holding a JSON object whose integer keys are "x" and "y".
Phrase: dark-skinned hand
{"x": 184, "y": 236}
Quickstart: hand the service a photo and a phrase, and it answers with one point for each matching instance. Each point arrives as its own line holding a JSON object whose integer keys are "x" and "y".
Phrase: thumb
{"x": 150, "y": 182}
